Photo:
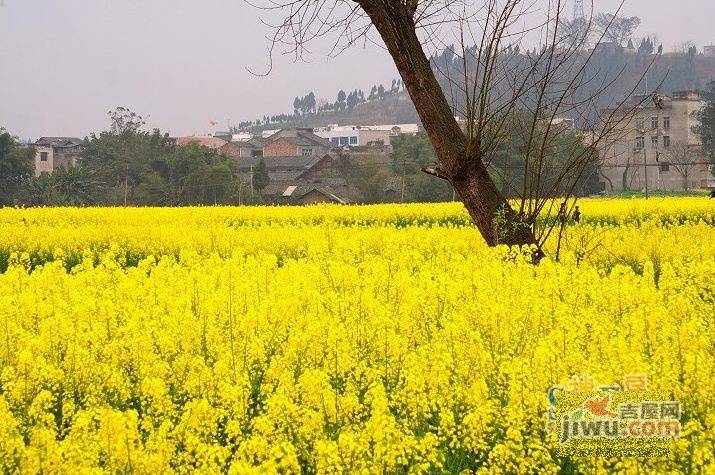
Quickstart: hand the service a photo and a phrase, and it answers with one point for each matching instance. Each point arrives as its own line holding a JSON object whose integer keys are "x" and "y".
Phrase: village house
{"x": 324, "y": 190}
{"x": 298, "y": 163}
{"x": 299, "y": 179}
{"x": 52, "y": 153}
{"x": 286, "y": 169}
{"x": 295, "y": 142}
{"x": 655, "y": 147}
{"x": 246, "y": 148}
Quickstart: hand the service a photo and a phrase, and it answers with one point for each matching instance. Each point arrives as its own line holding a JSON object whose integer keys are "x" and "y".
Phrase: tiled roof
{"x": 59, "y": 141}
{"x": 281, "y": 163}
{"x": 293, "y": 190}
{"x": 289, "y": 175}
{"x": 299, "y": 137}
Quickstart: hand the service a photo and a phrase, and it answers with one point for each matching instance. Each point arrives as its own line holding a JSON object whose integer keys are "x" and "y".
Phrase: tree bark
{"x": 460, "y": 161}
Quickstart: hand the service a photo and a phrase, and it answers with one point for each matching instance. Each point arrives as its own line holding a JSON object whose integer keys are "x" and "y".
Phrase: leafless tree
{"x": 577, "y": 30}
{"x": 615, "y": 28}
{"x": 683, "y": 158}
{"x": 497, "y": 94}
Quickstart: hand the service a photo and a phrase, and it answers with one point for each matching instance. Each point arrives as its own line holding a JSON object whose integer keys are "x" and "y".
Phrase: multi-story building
{"x": 654, "y": 145}
{"x": 52, "y": 153}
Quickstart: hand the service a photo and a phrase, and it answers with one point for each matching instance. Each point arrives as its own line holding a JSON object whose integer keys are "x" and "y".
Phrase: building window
{"x": 666, "y": 123}
{"x": 640, "y": 143}
{"x": 654, "y": 141}
{"x": 43, "y": 156}
{"x": 353, "y": 140}
{"x": 666, "y": 141}
{"x": 654, "y": 123}
{"x": 335, "y": 140}
{"x": 256, "y": 153}
{"x": 664, "y": 167}
{"x": 307, "y": 152}
{"x": 640, "y": 124}
{"x": 344, "y": 140}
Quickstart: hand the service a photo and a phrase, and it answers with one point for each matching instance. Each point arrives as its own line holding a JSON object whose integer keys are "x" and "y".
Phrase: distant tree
{"x": 16, "y": 166}
{"x": 683, "y": 160}
{"x": 692, "y": 52}
{"x": 373, "y": 94}
{"x": 38, "y": 190}
{"x": 210, "y": 183}
{"x": 646, "y": 46}
{"x": 310, "y": 102}
{"x": 369, "y": 176}
{"x": 140, "y": 167}
{"x": 66, "y": 186}
{"x": 260, "y": 176}
{"x": 576, "y": 31}
{"x": 340, "y": 102}
{"x": 154, "y": 189}
{"x": 296, "y": 105}
{"x": 125, "y": 121}
{"x": 706, "y": 123}
{"x": 352, "y": 100}
{"x": 616, "y": 28}
{"x": 381, "y": 91}
{"x": 410, "y": 154}
{"x": 77, "y": 184}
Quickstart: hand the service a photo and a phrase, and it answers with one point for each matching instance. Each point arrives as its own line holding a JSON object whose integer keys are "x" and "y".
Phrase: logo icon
{"x": 593, "y": 419}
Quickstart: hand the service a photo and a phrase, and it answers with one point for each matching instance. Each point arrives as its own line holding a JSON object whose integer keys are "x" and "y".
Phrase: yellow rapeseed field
{"x": 341, "y": 339}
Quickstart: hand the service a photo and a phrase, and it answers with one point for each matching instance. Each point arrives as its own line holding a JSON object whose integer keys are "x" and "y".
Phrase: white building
{"x": 360, "y": 135}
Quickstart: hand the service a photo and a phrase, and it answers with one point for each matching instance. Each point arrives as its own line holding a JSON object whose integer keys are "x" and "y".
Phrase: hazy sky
{"x": 65, "y": 63}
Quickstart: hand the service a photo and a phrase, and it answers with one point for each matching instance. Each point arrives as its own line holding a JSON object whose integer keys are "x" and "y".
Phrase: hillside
{"x": 672, "y": 71}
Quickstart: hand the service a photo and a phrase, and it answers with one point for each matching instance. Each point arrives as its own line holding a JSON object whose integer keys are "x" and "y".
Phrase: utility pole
{"x": 251, "y": 178}
{"x": 645, "y": 171}
{"x": 126, "y": 182}
{"x": 402, "y": 193}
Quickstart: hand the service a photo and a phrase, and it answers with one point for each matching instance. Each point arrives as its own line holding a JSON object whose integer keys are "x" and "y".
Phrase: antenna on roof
{"x": 578, "y": 10}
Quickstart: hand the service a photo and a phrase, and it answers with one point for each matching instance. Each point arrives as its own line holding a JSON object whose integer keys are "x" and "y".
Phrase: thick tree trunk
{"x": 460, "y": 162}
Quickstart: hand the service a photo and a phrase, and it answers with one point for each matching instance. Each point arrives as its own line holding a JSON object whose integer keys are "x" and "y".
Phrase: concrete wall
{"x": 367, "y": 136}
{"x": 46, "y": 166}
{"x": 65, "y": 157}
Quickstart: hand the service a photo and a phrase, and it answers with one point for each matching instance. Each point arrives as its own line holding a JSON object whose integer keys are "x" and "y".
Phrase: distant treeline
{"x": 622, "y": 60}
{"x": 307, "y": 105}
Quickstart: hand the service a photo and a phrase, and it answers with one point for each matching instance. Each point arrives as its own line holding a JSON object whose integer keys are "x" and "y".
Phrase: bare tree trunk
{"x": 625, "y": 186}
{"x": 460, "y": 161}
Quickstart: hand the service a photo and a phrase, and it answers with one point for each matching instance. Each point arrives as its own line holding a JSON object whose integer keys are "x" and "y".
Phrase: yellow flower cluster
{"x": 334, "y": 339}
